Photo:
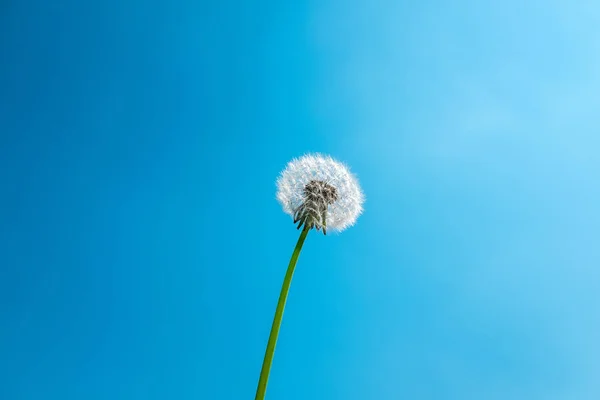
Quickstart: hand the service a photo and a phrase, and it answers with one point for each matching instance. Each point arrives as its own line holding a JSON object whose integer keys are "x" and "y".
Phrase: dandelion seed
{"x": 317, "y": 192}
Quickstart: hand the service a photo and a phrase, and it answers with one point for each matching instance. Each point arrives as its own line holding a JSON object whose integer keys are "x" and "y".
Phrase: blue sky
{"x": 142, "y": 249}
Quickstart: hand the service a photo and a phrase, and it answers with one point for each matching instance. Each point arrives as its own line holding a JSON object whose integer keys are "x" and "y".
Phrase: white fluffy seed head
{"x": 314, "y": 177}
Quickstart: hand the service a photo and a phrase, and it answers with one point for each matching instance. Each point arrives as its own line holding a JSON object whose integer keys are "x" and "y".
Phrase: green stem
{"x": 266, "y": 367}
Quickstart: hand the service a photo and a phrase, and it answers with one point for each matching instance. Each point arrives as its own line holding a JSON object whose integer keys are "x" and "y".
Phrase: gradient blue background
{"x": 142, "y": 249}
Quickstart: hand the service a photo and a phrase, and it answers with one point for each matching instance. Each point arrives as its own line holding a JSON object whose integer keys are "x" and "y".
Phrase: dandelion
{"x": 317, "y": 192}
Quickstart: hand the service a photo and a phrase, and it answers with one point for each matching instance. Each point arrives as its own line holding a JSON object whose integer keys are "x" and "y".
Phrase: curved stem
{"x": 266, "y": 367}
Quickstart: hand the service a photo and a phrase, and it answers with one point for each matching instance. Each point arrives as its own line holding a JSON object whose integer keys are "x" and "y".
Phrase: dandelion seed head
{"x": 320, "y": 192}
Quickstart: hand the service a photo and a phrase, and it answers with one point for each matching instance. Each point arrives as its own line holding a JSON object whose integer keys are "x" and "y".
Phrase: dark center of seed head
{"x": 321, "y": 192}
{"x": 318, "y": 195}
